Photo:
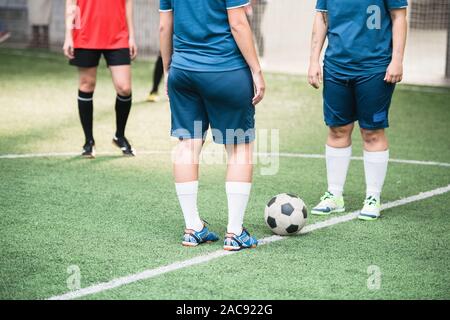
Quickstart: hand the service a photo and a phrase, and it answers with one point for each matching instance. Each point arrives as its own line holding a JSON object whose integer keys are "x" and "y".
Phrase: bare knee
{"x": 188, "y": 151}
{"x": 87, "y": 84}
{"x": 123, "y": 89}
{"x": 374, "y": 140}
{"x": 340, "y": 137}
{"x": 240, "y": 154}
{"x": 240, "y": 162}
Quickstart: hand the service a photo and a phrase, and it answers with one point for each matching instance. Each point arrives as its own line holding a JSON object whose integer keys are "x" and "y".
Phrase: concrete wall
{"x": 287, "y": 29}
{"x": 288, "y": 23}
{"x": 14, "y": 16}
{"x": 287, "y": 26}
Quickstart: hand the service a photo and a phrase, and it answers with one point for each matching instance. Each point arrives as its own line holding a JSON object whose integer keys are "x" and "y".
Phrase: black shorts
{"x": 89, "y": 58}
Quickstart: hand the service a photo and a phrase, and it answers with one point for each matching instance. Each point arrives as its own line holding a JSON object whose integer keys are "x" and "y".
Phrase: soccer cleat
{"x": 193, "y": 238}
{"x": 125, "y": 146}
{"x": 233, "y": 242}
{"x": 153, "y": 97}
{"x": 371, "y": 210}
{"x": 89, "y": 150}
{"x": 328, "y": 204}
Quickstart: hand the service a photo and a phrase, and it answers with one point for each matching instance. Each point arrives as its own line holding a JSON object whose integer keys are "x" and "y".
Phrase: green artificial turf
{"x": 116, "y": 216}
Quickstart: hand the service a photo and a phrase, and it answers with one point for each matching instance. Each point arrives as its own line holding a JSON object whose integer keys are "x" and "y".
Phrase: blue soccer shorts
{"x": 365, "y": 99}
{"x": 220, "y": 100}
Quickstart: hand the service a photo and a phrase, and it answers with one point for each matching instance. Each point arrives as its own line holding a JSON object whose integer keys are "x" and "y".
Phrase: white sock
{"x": 338, "y": 160}
{"x": 237, "y": 195}
{"x": 187, "y": 196}
{"x": 375, "y": 168}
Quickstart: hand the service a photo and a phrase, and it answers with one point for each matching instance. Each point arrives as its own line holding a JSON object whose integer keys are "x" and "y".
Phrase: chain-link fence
{"x": 282, "y": 29}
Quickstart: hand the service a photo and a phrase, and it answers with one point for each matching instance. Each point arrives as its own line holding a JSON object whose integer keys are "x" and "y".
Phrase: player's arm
{"x": 394, "y": 72}
{"x": 243, "y": 36}
{"x": 166, "y": 40}
{"x": 130, "y": 24}
{"x": 70, "y": 19}
{"x": 319, "y": 35}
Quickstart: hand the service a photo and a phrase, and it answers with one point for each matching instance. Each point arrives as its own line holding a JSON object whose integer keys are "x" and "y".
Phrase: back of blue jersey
{"x": 202, "y": 35}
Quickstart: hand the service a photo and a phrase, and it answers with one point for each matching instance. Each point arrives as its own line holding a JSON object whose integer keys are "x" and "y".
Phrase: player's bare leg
{"x": 238, "y": 186}
{"x": 186, "y": 160}
{"x": 376, "y": 158}
{"x": 338, "y": 153}
{"x": 340, "y": 137}
{"x": 374, "y": 140}
{"x": 86, "y": 87}
{"x": 121, "y": 77}
{"x": 185, "y": 169}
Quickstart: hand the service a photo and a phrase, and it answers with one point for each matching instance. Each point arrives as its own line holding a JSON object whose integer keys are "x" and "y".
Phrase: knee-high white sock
{"x": 187, "y": 196}
{"x": 237, "y": 195}
{"x": 375, "y": 168}
{"x": 338, "y": 160}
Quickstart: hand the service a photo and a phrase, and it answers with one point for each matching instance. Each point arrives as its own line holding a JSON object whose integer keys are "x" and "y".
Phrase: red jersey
{"x": 101, "y": 24}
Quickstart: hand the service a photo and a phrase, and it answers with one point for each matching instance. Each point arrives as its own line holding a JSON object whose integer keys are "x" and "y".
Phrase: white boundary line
{"x": 151, "y": 273}
{"x": 282, "y": 155}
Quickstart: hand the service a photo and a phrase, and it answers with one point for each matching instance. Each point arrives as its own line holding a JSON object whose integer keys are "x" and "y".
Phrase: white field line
{"x": 151, "y": 273}
{"x": 262, "y": 154}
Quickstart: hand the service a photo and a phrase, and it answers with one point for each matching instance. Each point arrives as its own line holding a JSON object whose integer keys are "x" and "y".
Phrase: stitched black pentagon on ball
{"x": 272, "y": 201}
{"x": 271, "y": 222}
{"x": 305, "y": 212}
{"x": 292, "y": 228}
{"x": 287, "y": 209}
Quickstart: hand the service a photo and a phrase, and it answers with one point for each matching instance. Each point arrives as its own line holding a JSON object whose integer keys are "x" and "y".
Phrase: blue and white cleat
{"x": 328, "y": 204}
{"x": 371, "y": 210}
{"x": 193, "y": 238}
{"x": 233, "y": 242}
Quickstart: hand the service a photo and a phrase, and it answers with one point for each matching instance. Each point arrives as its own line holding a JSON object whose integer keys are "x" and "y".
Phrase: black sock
{"x": 86, "y": 111}
{"x": 157, "y": 74}
{"x": 123, "y": 106}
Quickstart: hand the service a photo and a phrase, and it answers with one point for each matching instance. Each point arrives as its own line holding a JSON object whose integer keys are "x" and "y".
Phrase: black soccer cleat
{"x": 125, "y": 146}
{"x": 89, "y": 150}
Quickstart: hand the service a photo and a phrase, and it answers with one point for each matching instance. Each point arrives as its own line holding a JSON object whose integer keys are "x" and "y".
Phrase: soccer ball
{"x": 285, "y": 214}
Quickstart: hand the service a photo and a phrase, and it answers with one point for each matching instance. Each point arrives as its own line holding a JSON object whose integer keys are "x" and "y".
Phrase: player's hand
{"x": 315, "y": 75}
{"x": 260, "y": 87}
{"x": 68, "y": 48}
{"x": 133, "y": 49}
{"x": 394, "y": 73}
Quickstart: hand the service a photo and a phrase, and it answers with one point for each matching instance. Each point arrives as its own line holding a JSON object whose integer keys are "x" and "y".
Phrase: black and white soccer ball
{"x": 285, "y": 214}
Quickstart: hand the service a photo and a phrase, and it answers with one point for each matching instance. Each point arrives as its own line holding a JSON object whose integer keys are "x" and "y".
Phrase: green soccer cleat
{"x": 371, "y": 210}
{"x": 329, "y": 204}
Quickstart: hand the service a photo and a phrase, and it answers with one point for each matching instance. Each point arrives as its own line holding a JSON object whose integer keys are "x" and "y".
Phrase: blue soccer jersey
{"x": 202, "y": 35}
{"x": 359, "y": 35}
